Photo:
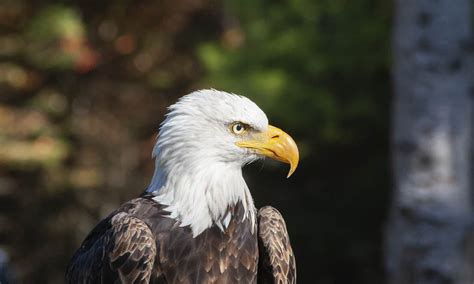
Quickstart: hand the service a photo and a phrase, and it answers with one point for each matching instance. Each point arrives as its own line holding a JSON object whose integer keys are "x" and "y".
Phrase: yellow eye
{"x": 238, "y": 128}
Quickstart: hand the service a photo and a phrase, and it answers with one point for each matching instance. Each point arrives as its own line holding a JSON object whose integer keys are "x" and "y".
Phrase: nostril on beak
{"x": 275, "y": 136}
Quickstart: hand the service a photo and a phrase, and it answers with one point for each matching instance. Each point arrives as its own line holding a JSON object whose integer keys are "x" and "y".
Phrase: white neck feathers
{"x": 200, "y": 197}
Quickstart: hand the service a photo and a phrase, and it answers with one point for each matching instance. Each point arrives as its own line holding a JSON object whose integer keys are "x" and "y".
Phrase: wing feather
{"x": 121, "y": 249}
{"x": 277, "y": 261}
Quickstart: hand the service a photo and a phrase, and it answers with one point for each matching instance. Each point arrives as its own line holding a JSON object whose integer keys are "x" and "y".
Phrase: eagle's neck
{"x": 201, "y": 195}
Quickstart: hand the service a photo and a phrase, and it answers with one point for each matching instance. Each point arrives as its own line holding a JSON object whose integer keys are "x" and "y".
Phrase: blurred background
{"x": 84, "y": 86}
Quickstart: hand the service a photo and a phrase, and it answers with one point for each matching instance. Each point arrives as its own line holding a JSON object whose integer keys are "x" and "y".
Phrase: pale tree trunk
{"x": 429, "y": 236}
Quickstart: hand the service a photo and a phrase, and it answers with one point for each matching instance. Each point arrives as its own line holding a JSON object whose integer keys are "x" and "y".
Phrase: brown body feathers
{"x": 140, "y": 243}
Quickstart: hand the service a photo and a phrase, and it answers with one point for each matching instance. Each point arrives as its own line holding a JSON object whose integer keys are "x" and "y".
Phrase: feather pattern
{"x": 139, "y": 243}
{"x": 121, "y": 249}
{"x": 277, "y": 261}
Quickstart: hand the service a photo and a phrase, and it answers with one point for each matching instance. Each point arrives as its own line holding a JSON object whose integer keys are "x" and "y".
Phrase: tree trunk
{"x": 429, "y": 236}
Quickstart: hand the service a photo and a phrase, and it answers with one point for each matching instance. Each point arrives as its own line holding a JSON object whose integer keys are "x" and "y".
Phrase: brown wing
{"x": 277, "y": 261}
{"x": 120, "y": 249}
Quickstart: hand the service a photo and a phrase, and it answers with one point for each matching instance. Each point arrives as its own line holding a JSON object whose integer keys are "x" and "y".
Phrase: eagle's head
{"x": 205, "y": 140}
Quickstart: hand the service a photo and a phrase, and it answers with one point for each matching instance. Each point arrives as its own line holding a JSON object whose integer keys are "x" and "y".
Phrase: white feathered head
{"x": 203, "y": 143}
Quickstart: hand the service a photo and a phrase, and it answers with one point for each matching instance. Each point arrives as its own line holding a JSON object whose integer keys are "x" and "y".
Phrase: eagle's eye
{"x": 238, "y": 128}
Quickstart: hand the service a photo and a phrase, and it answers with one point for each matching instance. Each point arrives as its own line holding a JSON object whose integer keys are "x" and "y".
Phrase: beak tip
{"x": 292, "y": 170}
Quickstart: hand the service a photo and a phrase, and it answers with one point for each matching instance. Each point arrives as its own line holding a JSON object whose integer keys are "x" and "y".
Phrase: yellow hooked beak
{"x": 276, "y": 144}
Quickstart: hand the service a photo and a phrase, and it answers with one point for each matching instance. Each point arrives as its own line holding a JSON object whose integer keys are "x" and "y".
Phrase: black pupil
{"x": 238, "y": 127}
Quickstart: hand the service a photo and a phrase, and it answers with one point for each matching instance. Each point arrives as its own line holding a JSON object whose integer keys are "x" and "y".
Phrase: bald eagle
{"x": 196, "y": 222}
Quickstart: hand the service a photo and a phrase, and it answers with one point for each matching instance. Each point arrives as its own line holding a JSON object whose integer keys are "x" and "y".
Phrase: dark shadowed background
{"x": 84, "y": 86}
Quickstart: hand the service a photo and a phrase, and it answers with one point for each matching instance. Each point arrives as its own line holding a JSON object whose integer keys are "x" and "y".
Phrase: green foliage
{"x": 306, "y": 62}
{"x": 54, "y": 35}
{"x": 54, "y": 22}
